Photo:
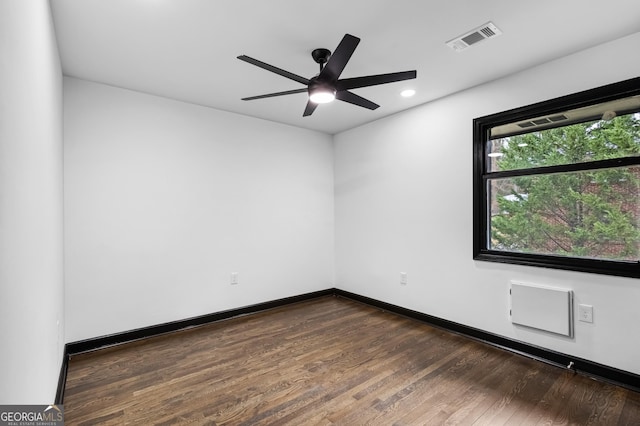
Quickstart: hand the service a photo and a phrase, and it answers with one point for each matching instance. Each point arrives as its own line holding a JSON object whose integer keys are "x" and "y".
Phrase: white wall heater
{"x": 544, "y": 308}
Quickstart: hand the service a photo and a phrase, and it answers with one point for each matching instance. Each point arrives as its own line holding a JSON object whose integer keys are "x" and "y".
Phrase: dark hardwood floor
{"x": 330, "y": 361}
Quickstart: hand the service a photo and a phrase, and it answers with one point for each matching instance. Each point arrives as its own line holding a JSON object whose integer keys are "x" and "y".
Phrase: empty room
{"x": 285, "y": 212}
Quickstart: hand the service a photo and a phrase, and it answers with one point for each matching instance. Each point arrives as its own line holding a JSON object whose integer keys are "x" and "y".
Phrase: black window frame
{"x": 481, "y": 133}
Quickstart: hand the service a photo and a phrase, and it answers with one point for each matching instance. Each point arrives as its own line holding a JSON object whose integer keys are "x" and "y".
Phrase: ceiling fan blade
{"x": 273, "y": 69}
{"x": 352, "y": 98}
{"x": 374, "y": 80}
{"x": 339, "y": 58}
{"x": 271, "y": 95}
{"x": 311, "y": 106}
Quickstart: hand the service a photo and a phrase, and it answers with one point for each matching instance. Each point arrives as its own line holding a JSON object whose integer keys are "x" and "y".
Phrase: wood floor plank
{"x": 330, "y": 361}
{"x": 631, "y": 409}
{"x": 510, "y": 395}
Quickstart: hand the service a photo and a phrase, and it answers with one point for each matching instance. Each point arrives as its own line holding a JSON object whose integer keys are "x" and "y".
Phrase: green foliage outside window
{"x": 591, "y": 214}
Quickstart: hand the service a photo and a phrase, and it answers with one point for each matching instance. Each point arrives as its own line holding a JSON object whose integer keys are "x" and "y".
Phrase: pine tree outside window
{"x": 557, "y": 184}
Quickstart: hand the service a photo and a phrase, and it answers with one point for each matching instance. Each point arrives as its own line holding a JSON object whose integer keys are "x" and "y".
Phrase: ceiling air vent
{"x": 488, "y": 30}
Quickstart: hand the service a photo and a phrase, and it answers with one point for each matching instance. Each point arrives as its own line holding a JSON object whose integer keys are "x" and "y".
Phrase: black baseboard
{"x": 102, "y": 342}
{"x": 589, "y": 368}
{"x": 62, "y": 378}
{"x": 599, "y": 371}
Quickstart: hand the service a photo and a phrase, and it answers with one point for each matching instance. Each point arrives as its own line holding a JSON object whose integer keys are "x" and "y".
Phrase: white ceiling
{"x": 187, "y": 49}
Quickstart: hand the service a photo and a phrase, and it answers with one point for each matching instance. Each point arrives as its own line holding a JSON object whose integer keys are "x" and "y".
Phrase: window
{"x": 557, "y": 184}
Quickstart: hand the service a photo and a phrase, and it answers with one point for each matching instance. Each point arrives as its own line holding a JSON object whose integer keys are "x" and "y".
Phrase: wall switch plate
{"x": 234, "y": 278}
{"x": 585, "y": 313}
{"x": 403, "y": 278}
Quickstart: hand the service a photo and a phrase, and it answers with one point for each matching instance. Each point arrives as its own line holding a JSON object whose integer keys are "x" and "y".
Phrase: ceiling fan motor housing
{"x": 317, "y": 86}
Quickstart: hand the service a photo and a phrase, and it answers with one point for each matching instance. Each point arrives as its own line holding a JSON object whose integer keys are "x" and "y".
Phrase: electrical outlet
{"x": 234, "y": 278}
{"x": 585, "y": 313}
{"x": 403, "y": 278}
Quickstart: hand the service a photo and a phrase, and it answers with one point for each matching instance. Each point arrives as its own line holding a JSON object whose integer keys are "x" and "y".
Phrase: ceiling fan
{"x": 327, "y": 85}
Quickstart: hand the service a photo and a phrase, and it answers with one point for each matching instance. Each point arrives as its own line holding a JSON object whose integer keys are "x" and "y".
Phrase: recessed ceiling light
{"x": 407, "y": 93}
{"x": 495, "y": 154}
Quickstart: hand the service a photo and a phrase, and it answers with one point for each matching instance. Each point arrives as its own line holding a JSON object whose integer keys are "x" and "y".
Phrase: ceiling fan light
{"x": 322, "y": 95}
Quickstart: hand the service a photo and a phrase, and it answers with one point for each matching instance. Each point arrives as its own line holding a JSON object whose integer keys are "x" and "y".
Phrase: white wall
{"x": 31, "y": 265}
{"x": 163, "y": 200}
{"x": 403, "y": 200}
